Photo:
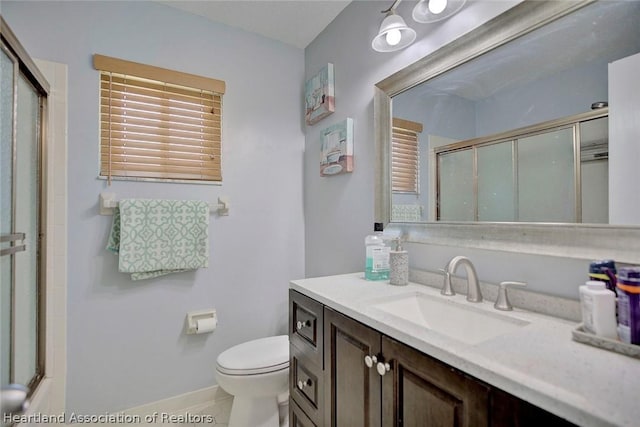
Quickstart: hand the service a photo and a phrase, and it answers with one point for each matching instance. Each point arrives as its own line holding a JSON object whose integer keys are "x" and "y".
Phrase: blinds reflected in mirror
{"x": 405, "y": 159}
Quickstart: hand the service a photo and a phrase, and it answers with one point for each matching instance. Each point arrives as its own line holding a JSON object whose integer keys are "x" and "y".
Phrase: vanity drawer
{"x": 297, "y": 418}
{"x": 305, "y": 325}
{"x": 306, "y": 384}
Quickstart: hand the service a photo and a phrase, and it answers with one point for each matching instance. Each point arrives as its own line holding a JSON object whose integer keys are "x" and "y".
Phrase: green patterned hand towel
{"x": 158, "y": 237}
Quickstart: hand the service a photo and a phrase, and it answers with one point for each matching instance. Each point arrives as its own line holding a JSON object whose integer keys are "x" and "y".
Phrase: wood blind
{"x": 165, "y": 127}
{"x": 405, "y": 159}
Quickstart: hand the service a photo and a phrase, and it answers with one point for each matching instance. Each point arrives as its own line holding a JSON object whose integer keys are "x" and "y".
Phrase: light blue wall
{"x": 558, "y": 95}
{"x": 441, "y": 114}
{"x": 126, "y": 341}
{"x": 562, "y": 94}
{"x": 339, "y": 210}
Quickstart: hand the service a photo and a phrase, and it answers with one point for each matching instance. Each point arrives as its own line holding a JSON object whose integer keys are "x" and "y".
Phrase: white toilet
{"x": 255, "y": 373}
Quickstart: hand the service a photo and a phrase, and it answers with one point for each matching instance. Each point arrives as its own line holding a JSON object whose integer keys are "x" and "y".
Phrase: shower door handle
{"x": 14, "y": 400}
{"x": 12, "y": 238}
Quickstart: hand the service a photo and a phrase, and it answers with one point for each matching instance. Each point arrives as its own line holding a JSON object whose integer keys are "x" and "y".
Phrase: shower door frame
{"x": 23, "y": 64}
{"x": 514, "y": 136}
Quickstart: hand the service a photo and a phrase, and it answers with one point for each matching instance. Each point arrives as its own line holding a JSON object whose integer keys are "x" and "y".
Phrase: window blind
{"x": 405, "y": 159}
{"x": 157, "y": 123}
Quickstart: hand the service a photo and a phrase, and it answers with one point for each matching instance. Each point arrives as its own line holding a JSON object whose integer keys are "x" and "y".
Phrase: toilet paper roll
{"x": 206, "y": 325}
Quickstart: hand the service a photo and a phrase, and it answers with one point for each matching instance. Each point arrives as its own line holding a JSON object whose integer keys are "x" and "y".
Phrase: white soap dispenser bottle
{"x": 399, "y": 265}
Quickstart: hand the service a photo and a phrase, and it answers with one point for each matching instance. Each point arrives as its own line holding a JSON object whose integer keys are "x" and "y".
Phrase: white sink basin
{"x": 460, "y": 321}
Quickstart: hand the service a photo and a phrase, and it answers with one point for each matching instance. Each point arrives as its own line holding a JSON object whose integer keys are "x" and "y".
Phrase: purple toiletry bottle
{"x": 629, "y": 304}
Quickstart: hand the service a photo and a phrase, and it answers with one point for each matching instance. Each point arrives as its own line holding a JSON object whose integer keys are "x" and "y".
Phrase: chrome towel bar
{"x": 108, "y": 203}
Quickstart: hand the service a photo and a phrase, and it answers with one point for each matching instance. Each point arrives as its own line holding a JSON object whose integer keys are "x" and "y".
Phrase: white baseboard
{"x": 144, "y": 414}
{"x": 181, "y": 402}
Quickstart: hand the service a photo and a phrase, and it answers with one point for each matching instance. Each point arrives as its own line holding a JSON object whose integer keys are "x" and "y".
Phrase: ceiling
{"x": 294, "y": 22}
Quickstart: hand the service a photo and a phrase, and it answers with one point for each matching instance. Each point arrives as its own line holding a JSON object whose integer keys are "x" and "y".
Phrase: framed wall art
{"x": 336, "y": 149}
{"x": 319, "y": 95}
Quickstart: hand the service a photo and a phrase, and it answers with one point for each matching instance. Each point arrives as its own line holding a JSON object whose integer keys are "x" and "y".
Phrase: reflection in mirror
{"x": 496, "y": 182}
{"x": 528, "y": 175}
{"x": 545, "y": 177}
{"x": 456, "y": 186}
{"x": 594, "y": 170}
{"x": 472, "y": 163}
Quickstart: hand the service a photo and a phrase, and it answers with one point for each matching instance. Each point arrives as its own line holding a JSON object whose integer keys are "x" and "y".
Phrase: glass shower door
{"x": 26, "y": 268}
{"x": 456, "y": 199}
{"x": 546, "y": 177}
{"x": 7, "y": 66}
{"x": 21, "y": 106}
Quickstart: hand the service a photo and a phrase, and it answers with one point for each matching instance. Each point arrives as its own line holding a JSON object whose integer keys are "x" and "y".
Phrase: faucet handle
{"x": 447, "y": 289}
{"x": 502, "y": 302}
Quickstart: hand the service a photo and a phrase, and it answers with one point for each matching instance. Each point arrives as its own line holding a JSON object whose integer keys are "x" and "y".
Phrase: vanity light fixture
{"x": 394, "y": 33}
{"x": 427, "y": 11}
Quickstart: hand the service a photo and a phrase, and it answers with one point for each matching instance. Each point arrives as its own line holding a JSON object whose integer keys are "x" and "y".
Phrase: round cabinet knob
{"x": 370, "y": 361}
{"x": 301, "y": 325}
{"x": 383, "y": 368}
{"x": 303, "y": 384}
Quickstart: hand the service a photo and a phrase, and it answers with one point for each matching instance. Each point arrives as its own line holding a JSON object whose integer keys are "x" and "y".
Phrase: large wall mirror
{"x": 505, "y": 138}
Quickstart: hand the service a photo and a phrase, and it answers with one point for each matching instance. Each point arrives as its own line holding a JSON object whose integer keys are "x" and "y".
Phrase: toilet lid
{"x": 255, "y": 357}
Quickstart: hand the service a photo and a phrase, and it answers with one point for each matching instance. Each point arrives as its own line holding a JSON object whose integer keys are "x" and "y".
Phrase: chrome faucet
{"x": 502, "y": 302}
{"x": 473, "y": 287}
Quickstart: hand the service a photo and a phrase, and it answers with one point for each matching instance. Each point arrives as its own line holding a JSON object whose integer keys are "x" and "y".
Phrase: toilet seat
{"x": 259, "y": 356}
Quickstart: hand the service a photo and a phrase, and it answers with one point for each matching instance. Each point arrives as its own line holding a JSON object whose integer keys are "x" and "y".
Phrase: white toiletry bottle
{"x": 598, "y": 309}
{"x": 399, "y": 265}
{"x": 377, "y": 255}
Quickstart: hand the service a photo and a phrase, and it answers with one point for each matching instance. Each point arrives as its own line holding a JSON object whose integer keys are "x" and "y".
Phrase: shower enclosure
{"x": 23, "y": 103}
{"x": 555, "y": 171}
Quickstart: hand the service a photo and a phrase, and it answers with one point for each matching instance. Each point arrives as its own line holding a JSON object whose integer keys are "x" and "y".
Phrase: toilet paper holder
{"x": 193, "y": 317}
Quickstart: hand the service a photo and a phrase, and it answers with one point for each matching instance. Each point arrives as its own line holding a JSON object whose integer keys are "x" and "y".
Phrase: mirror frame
{"x": 583, "y": 241}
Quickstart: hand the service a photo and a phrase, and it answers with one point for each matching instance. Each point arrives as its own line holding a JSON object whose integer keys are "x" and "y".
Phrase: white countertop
{"x": 539, "y": 362}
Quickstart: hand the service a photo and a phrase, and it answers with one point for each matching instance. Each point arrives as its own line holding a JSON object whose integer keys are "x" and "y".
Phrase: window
{"x": 405, "y": 159}
{"x": 158, "y": 124}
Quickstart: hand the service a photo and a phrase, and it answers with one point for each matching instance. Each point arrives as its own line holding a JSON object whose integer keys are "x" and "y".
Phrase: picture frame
{"x": 319, "y": 95}
{"x": 336, "y": 149}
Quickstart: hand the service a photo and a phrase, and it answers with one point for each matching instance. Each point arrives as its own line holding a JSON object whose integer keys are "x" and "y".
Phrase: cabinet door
{"x": 297, "y": 417}
{"x": 509, "y": 411}
{"x": 420, "y": 391}
{"x": 352, "y": 390}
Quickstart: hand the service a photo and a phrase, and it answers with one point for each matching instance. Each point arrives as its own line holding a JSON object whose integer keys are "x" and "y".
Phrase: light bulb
{"x": 422, "y": 8}
{"x": 393, "y": 37}
{"x": 437, "y": 6}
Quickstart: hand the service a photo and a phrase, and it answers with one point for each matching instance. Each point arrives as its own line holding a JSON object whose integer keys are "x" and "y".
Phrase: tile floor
{"x": 216, "y": 414}
{"x": 212, "y": 414}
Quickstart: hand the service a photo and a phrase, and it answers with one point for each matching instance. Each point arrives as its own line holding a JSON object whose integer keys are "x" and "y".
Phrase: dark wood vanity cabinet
{"x": 366, "y": 379}
{"x": 403, "y": 387}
